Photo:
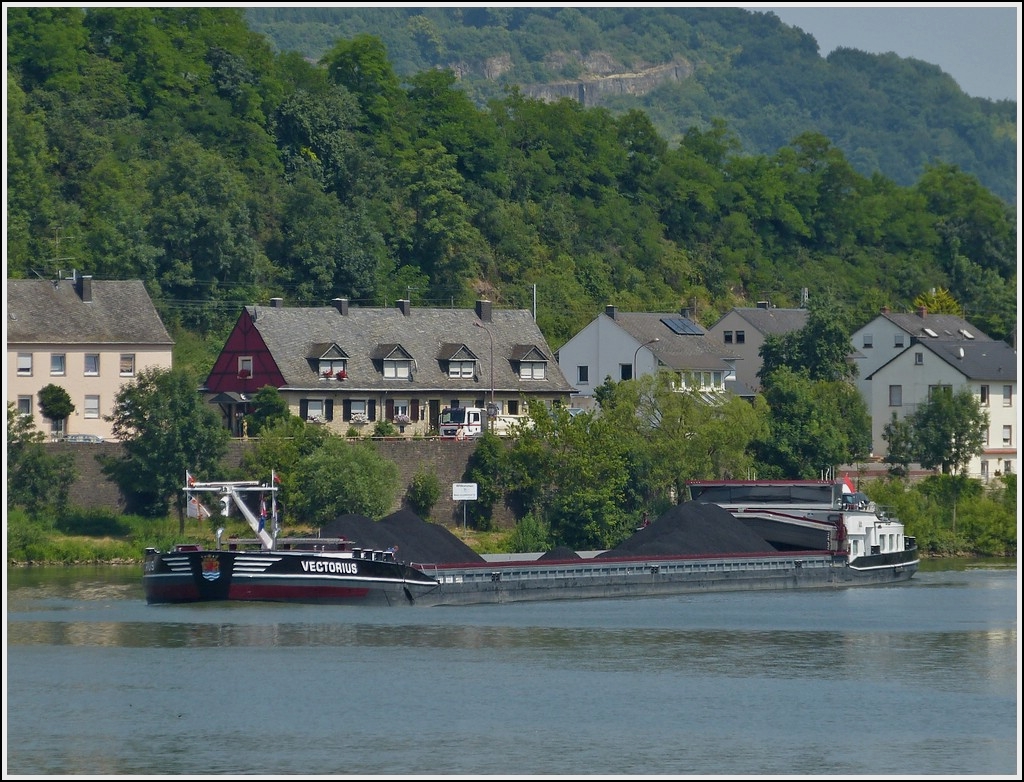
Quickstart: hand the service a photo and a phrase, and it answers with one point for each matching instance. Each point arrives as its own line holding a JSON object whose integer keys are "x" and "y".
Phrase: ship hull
{"x": 183, "y": 577}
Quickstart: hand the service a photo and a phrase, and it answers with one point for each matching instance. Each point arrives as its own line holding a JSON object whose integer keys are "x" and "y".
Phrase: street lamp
{"x": 648, "y": 342}
{"x": 492, "y": 408}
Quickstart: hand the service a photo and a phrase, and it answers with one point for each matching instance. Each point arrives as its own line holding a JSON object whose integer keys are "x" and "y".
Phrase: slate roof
{"x": 53, "y": 312}
{"x": 675, "y": 351}
{"x": 990, "y": 359}
{"x": 944, "y": 326}
{"x": 773, "y": 320}
{"x": 428, "y": 335}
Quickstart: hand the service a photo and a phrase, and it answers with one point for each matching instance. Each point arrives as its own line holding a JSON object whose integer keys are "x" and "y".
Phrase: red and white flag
{"x": 196, "y": 509}
{"x": 848, "y": 487}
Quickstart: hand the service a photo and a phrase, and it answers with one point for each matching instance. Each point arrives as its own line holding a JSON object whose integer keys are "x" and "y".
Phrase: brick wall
{"x": 446, "y": 458}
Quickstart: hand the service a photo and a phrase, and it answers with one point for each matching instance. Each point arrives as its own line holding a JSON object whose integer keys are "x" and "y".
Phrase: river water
{"x": 916, "y": 679}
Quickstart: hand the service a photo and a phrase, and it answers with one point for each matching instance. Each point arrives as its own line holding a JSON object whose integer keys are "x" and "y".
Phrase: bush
{"x": 423, "y": 493}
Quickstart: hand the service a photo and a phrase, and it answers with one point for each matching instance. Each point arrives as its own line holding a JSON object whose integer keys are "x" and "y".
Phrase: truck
{"x": 463, "y": 423}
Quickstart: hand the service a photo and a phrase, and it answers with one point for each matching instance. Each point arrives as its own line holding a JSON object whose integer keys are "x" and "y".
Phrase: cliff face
{"x": 601, "y": 76}
{"x": 590, "y": 90}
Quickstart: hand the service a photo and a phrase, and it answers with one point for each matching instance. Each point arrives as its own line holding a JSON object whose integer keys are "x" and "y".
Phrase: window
{"x": 24, "y": 364}
{"x": 1007, "y": 436}
{"x": 869, "y": 341}
{"x": 895, "y": 396}
{"x": 331, "y": 368}
{"x": 984, "y": 470}
{"x": 583, "y": 374}
{"x": 401, "y": 407}
{"x": 57, "y": 364}
{"x": 625, "y": 371}
{"x": 401, "y": 368}
{"x": 932, "y": 390}
{"x": 1007, "y": 396}
{"x": 314, "y": 409}
{"x": 532, "y": 370}
{"x": 92, "y": 364}
{"x": 461, "y": 368}
{"x": 25, "y": 405}
{"x": 728, "y": 337}
{"x": 245, "y": 366}
{"x": 92, "y": 406}
{"x": 919, "y": 358}
{"x": 127, "y": 365}
{"x": 898, "y": 340}
{"x": 984, "y": 396}
{"x": 718, "y": 379}
{"x": 740, "y": 337}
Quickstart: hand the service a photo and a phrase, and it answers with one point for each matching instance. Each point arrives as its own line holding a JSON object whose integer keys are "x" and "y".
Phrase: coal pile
{"x": 692, "y": 528}
{"x": 416, "y": 540}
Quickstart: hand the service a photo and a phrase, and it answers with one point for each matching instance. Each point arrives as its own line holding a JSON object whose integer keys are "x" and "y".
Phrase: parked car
{"x": 82, "y": 438}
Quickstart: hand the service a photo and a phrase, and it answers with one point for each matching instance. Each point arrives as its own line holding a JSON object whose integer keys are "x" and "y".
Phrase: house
{"x": 347, "y": 366}
{"x": 890, "y": 333}
{"x": 743, "y": 331}
{"x": 987, "y": 367}
{"x": 89, "y": 337}
{"x": 623, "y": 345}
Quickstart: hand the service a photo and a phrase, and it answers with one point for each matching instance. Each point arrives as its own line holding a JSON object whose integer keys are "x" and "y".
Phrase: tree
{"x": 342, "y": 477}
{"x": 55, "y": 403}
{"x": 949, "y": 430}
{"x": 820, "y": 349}
{"x": 165, "y": 429}
{"x": 268, "y": 408}
{"x": 484, "y": 469}
{"x": 899, "y": 434}
{"x": 424, "y": 491}
{"x": 36, "y": 480}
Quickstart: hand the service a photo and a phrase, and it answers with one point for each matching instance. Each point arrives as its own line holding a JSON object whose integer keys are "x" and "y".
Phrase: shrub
{"x": 423, "y": 493}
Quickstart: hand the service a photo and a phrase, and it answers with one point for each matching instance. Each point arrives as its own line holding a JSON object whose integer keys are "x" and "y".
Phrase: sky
{"x": 978, "y": 45}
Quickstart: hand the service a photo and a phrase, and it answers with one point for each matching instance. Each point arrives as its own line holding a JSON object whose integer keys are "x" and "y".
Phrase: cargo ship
{"x": 337, "y": 570}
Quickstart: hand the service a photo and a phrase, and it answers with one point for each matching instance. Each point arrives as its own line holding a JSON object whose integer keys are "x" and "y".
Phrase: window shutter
{"x": 329, "y": 409}
{"x": 346, "y": 410}
{"x": 371, "y": 410}
{"x": 414, "y": 410}
{"x": 389, "y": 409}
{"x": 303, "y": 409}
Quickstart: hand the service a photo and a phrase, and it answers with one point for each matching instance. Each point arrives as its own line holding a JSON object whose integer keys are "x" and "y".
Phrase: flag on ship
{"x": 848, "y": 487}
{"x": 196, "y": 509}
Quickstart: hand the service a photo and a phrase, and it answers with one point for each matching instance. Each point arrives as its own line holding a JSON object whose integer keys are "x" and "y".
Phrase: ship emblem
{"x": 211, "y": 568}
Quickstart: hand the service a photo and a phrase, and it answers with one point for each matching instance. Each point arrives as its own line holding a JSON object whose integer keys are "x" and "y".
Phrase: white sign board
{"x": 463, "y": 491}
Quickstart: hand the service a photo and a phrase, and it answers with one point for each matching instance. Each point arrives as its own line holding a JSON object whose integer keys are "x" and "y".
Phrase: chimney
{"x": 922, "y": 311}
{"x": 277, "y": 302}
{"x": 886, "y": 310}
{"x": 404, "y": 306}
{"x": 341, "y": 305}
{"x": 610, "y": 310}
{"x": 85, "y": 287}
{"x": 483, "y": 310}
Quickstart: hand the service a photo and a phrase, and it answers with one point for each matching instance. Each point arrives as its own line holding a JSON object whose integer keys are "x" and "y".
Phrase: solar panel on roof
{"x": 683, "y": 326}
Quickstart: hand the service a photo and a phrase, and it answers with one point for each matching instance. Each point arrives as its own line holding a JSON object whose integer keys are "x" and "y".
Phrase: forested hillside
{"x": 177, "y": 146}
{"x": 686, "y": 66}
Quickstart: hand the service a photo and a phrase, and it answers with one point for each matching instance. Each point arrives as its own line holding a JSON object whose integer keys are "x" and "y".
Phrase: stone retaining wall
{"x": 446, "y": 458}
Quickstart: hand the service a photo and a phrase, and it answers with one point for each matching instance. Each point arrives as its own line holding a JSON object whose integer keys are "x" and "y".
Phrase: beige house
{"x": 348, "y": 367}
{"x": 89, "y": 337}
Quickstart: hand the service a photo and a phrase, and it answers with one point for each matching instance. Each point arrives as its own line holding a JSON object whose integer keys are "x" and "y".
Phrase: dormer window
{"x": 399, "y": 369}
{"x": 461, "y": 369}
{"x": 532, "y": 370}
{"x": 245, "y": 366}
{"x": 333, "y": 368}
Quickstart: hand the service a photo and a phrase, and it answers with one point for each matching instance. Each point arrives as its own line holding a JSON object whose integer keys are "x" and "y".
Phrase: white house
{"x": 88, "y": 337}
{"x": 890, "y": 333}
{"x": 987, "y": 367}
{"x": 623, "y": 345}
